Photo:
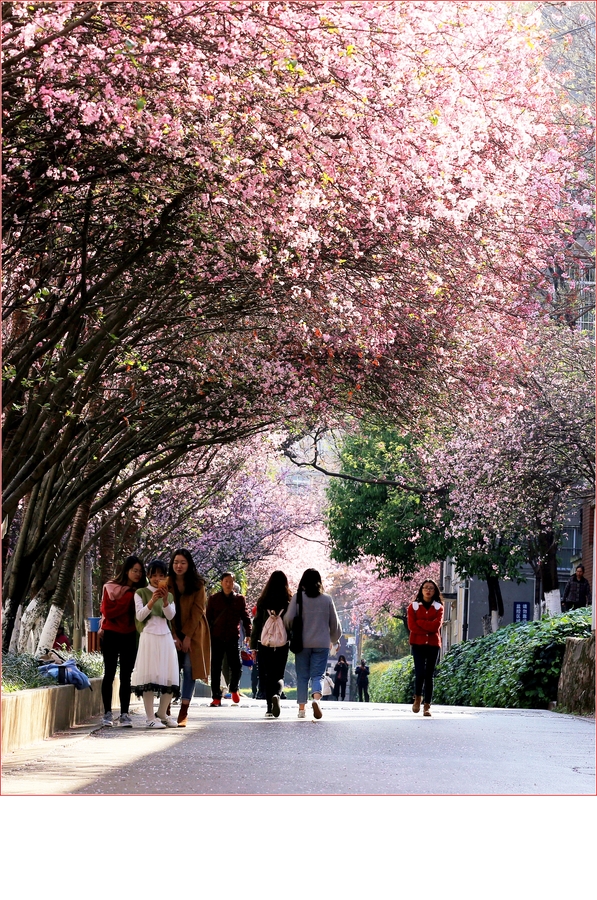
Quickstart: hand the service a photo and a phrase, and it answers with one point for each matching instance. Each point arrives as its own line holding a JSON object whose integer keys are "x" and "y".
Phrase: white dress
{"x": 156, "y": 666}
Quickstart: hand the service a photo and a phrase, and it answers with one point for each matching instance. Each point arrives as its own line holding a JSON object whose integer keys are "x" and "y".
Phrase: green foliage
{"x": 403, "y": 530}
{"x": 392, "y": 682}
{"x": 21, "y": 670}
{"x": 517, "y": 667}
{"x": 390, "y": 642}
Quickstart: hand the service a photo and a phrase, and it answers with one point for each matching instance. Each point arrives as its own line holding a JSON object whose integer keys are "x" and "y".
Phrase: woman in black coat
{"x": 340, "y": 678}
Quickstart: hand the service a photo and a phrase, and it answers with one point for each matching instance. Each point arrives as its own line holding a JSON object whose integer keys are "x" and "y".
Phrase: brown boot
{"x": 426, "y": 711}
{"x": 183, "y": 715}
{"x": 417, "y": 704}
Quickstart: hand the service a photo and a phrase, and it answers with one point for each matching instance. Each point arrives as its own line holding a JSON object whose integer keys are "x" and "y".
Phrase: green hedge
{"x": 21, "y": 670}
{"x": 392, "y": 682}
{"x": 517, "y": 667}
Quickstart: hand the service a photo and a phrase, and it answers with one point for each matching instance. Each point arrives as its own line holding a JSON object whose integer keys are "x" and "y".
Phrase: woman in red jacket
{"x": 118, "y": 635}
{"x": 425, "y": 616}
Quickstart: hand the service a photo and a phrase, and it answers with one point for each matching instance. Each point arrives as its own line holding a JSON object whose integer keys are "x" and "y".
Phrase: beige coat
{"x": 194, "y": 625}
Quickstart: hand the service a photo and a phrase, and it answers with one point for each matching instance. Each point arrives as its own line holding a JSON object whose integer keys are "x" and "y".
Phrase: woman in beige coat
{"x": 190, "y": 629}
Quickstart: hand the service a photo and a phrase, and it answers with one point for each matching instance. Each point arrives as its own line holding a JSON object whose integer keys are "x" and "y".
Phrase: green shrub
{"x": 392, "y": 682}
{"x": 517, "y": 667}
{"x": 21, "y": 670}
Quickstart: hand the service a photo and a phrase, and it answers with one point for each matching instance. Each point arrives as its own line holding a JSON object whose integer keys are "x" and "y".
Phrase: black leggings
{"x": 340, "y": 689}
{"x": 115, "y": 645}
{"x": 271, "y": 662}
{"x": 425, "y": 658}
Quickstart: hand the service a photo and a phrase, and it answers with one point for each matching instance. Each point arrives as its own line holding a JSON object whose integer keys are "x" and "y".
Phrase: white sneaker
{"x": 317, "y": 713}
{"x": 301, "y": 713}
{"x": 155, "y": 724}
{"x": 169, "y": 722}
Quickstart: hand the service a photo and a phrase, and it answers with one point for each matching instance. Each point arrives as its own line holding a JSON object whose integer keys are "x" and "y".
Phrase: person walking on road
{"x": 340, "y": 678}
{"x": 362, "y": 673}
{"x": 425, "y": 615}
{"x": 321, "y": 629}
{"x": 225, "y": 611}
{"x": 577, "y": 592}
{"x": 156, "y": 667}
{"x": 118, "y": 636}
{"x": 190, "y": 628}
{"x": 271, "y": 654}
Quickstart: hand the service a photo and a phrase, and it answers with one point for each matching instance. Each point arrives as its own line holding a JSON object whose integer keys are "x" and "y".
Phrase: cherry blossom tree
{"x": 221, "y": 218}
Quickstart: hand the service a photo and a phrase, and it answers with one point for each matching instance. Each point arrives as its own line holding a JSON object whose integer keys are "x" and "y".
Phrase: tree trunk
{"x": 496, "y": 604}
{"x": 106, "y": 548}
{"x": 551, "y": 587}
{"x": 35, "y": 611}
{"x": 67, "y": 571}
{"x": 14, "y": 640}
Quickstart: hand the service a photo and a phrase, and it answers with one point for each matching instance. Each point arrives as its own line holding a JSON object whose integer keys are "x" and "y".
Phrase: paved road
{"x": 354, "y": 749}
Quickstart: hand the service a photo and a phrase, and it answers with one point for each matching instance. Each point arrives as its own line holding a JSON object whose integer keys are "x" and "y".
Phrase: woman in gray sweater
{"x": 321, "y": 629}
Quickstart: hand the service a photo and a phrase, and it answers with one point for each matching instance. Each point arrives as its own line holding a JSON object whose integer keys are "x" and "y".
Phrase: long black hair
{"x": 437, "y": 596}
{"x": 310, "y": 583}
{"x": 192, "y": 579}
{"x": 123, "y": 576}
{"x": 276, "y": 593}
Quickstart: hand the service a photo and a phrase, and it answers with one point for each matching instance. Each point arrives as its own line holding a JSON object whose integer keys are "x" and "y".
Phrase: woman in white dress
{"x": 156, "y": 668}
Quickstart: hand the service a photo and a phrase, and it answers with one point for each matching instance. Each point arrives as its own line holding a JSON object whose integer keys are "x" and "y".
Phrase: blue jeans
{"x": 310, "y": 664}
{"x": 188, "y": 682}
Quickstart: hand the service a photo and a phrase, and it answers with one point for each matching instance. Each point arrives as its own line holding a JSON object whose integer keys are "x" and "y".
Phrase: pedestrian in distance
{"x": 226, "y": 609}
{"x": 340, "y": 678}
{"x": 425, "y": 615}
{"x": 190, "y": 629}
{"x": 577, "y": 592}
{"x": 321, "y": 630}
{"x": 62, "y": 642}
{"x": 156, "y": 667}
{"x": 269, "y": 639}
{"x": 362, "y": 673}
{"x": 118, "y": 636}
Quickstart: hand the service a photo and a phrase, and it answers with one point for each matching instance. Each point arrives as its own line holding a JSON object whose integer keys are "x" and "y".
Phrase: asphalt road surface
{"x": 368, "y": 749}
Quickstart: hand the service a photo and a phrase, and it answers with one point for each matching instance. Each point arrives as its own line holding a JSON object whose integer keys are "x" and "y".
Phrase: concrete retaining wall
{"x": 37, "y": 713}
{"x": 576, "y": 687}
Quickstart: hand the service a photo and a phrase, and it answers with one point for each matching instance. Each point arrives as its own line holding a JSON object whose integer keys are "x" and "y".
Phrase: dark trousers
{"x": 340, "y": 690}
{"x": 118, "y": 647}
{"x": 219, "y": 649}
{"x": 271, "y": 662}
{"x": 425, "y": 658}
{"x": 363, "y": 689}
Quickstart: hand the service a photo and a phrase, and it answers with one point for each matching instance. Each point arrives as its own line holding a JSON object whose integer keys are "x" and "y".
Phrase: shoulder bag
{"x": 296, "y": 636}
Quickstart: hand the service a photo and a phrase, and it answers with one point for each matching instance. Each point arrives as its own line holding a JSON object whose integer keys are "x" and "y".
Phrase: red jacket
{"x": 118, "y": 608}
{"x": 425, "y": 624}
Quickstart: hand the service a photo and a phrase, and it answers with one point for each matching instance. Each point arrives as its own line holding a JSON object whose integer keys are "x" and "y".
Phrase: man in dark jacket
{"x": 577, "y": 592}
{"x": 225, "y": 611}
{"x": 362, "y": 673}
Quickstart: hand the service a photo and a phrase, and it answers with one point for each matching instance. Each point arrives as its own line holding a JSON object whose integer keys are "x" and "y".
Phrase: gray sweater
{"x": 321, "y": 625}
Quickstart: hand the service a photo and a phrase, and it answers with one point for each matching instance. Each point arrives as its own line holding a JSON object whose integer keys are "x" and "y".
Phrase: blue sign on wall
{"x": 522, "y": 612}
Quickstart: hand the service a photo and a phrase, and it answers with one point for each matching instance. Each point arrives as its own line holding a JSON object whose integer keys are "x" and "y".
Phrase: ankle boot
{"x": 417, "y": 704}
{"x": 183, "y": 715}
{"x": 426, "y": 711}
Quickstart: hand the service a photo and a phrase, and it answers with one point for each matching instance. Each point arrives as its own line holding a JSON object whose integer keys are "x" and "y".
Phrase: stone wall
{"x": 576, "y": 687}
{"x": 37, "y": 713}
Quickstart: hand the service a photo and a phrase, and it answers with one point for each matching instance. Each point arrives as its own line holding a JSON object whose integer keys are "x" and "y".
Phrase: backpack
{"x": 67, "y": 673}
{"x": 273, "y": 633}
